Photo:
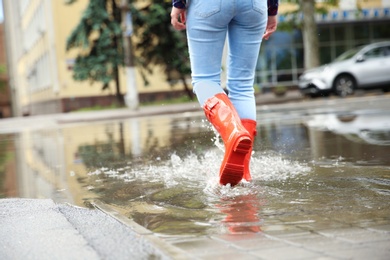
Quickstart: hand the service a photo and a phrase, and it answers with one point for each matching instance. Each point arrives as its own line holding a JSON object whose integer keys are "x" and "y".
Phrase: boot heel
{"x": 232, "y": 174}
{"x": 244, "y": 144}
{"x": 233, "y": 169}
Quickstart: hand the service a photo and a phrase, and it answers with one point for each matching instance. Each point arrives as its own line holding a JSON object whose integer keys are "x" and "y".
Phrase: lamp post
{"x": 131, "y": 97}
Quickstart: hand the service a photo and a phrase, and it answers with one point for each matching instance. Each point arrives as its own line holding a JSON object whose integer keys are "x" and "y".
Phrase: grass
{"x": 179, "y": 100}
{"x": 98, "y": 108}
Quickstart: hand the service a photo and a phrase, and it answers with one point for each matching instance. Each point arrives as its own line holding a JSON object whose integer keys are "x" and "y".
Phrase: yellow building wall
{"x": 369, "y": 3}
{"x": 35, "y": 53}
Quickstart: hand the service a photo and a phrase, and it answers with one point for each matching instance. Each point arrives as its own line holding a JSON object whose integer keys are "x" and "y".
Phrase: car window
{"x": 374, "y": 53}
{"x": 348, "y": 54}
{"x": 386, "y": 51}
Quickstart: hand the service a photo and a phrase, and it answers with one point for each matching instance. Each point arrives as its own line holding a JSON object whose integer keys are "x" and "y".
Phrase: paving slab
{"x": 42, "y": 229}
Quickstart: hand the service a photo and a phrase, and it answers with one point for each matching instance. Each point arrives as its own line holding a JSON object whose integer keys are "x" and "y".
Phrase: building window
{"x": 381, "y": 31}
{"x": 361, "y": 31}
{"x": 280, "y": 59}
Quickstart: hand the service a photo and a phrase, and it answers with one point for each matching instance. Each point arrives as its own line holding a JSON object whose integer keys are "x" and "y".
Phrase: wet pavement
{"x": 320, "y": 186}
{"x": 42, "y": 229}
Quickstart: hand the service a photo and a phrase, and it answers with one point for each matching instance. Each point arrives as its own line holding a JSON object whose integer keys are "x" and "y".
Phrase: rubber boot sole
{"x": 232, "y": 168}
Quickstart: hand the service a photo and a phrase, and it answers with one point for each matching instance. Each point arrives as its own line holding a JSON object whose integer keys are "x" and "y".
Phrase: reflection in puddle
{"x": 363, "y": 126}
{"x": 184, "y": 193}
{"x": 309, "y": 173}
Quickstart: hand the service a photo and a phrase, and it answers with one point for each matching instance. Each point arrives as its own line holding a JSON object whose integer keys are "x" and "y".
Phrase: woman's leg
{"x": 244, "y": 37}
{"x": 206, "y": 33}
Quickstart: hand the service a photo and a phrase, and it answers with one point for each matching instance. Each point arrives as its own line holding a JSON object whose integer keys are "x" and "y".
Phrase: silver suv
{"x": 363, "y": 67}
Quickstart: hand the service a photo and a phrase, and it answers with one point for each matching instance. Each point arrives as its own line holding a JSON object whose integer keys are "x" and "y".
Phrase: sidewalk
{"x": 41, "y": 229}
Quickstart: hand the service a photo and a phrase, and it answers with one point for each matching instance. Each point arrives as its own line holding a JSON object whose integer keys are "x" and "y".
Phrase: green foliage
{"x": 280, "y": 90}
{"x": 98, "y": 37}
{"x": 98, "y": 108}
{"x": 158, "y": 43}
{"x": 178, "y": 100}
{"x": 3, "y": 72}
{"x": 3, "y": 69}
{"x": 5, "y": 157}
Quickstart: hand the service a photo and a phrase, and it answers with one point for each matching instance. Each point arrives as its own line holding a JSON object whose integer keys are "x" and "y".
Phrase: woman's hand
{"x": 178, "y": 18}
{"x": 272, "y": 24}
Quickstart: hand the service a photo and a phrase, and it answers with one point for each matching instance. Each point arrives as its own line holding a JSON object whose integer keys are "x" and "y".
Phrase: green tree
{"x": 159, "y": 44}
{"x": 309, "y": 8}
{"x": 98, "y": 37}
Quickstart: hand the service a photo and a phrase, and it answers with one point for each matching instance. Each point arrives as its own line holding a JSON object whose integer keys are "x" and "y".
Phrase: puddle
{"x": 310, "y": 171}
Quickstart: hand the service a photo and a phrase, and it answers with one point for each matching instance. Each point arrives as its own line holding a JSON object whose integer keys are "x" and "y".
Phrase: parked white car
{"x": 360, "y": 68}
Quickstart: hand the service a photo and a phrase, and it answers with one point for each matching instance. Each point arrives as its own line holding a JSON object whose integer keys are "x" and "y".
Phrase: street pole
{"x": 131, "y": 97}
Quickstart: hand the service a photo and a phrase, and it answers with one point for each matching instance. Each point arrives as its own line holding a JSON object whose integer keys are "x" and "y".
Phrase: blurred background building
{"x": 40, "y": 68}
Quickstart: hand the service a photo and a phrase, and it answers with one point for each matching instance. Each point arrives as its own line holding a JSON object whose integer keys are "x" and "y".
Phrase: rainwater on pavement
{"x": 313, "y": 167}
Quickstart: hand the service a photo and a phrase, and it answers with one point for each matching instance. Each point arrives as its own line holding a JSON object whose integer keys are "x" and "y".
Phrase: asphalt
{"x": 43, "y": 229}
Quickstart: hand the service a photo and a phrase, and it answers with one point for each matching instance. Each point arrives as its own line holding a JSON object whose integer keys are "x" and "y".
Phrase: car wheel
{"x": 344, "y": 85}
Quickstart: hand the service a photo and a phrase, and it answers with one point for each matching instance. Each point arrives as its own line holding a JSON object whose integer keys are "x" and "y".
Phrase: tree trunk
{"x": 189, "y": 92}
{"x": 118, "y": 94}
{"x": 121, "y": 144}
{"x": 310, "y": 35}
{"x": 117, "y": 16}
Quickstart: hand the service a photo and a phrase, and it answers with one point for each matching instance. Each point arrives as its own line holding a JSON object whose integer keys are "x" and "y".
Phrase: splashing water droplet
{"x": 203, "y": 173}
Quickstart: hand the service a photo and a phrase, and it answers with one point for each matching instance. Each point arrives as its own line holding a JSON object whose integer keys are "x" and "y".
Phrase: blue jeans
{"x": 209, "y": 22}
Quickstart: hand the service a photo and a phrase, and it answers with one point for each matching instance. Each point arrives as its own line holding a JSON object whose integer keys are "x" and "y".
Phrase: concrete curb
{"x": 159, "y": 244}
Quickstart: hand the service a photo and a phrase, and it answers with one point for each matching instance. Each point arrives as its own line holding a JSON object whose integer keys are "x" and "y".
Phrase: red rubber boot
{"x": 250, "y": 126}
{"x": 238, "y": 142}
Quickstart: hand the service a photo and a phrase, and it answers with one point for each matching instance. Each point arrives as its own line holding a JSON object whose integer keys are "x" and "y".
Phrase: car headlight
{"x": 308, "y": 76}
{"x": 327, "y": 69}
{"x": 317, "y": 73}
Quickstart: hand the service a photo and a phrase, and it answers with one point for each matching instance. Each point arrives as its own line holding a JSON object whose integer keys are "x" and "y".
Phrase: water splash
{"x": 202, "y": 173}
{"x": 268, "y": 166}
